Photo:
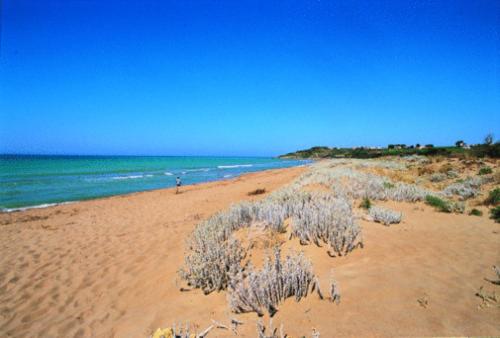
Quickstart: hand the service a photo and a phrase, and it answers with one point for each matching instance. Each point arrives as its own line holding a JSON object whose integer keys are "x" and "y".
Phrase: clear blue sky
{"x": 245, "y": 77}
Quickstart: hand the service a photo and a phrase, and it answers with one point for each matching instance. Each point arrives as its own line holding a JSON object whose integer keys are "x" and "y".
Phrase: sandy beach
{"x": 108, "y": 268}
{"x": 260, "y": 169}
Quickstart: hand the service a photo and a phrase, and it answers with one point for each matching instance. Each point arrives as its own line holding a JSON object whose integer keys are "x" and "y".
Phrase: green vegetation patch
{"x": 493, "y": 197}
{"x": 438, "y": 203}
{"x": 485, "y": 171}
{"x": 365, "y": 203}
{"x": 488, "y": 149}
{"x": 475, "y": 212}
{"x": 388, "y": 185}
{"x": 495, "y": 214}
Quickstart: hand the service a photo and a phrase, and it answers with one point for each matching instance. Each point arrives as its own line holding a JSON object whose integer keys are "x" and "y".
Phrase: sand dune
{"x": 108, "y": 268}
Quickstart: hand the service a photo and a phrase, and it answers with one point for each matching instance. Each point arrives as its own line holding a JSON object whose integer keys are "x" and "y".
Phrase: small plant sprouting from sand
{"x": 334, "y": 290}
{"x": 365, "y": 203}
{"x": 180, "y": 331}
{"x": 258, "y": 191}
{"x": 490, "y": 299}
{"x": 475, "y": 212}
{"x": 496, "y": 269}
{"x": 423, "y": 301}
{"x": 272, "y": 332}
{"x": 384, "y": 215}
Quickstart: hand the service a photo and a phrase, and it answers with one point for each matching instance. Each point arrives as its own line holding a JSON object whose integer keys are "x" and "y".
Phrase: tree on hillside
{"x": 488, "y": 140}
{"x": 460, "y": 144}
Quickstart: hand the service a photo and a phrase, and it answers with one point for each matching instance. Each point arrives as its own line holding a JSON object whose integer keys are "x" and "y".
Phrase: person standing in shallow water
{"x": 177, "y": 184}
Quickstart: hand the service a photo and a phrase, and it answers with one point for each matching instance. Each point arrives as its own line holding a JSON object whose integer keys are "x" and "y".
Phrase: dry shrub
{"x": 215, "y": 255}
{"x": 467, "y": 188}
{"x": 438, "y": 177}
{"x": 278, "y": 280}
{"x": 438, "y": 159}
{"x": 417, "y": 159}
{"x": 349, "y": 183}
{"x": 426, "y": 170}
{"x": 496, "y": 177}
{"x": 402, "y": 176}
{"x": 445, "y": 168}
{"x": 329, "y": 220}
{"x": 210, "y": 264}
{"x": 213, "y": 252}
{"x": 385, "y": 216}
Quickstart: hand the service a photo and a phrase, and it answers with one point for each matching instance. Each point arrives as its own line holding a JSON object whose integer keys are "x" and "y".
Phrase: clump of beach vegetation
{"x": 384, "y": 215}
{"x": 329, "y": 220}
{"x": 438, "y": 177}
{"x": 365, "y": 203}
{"x": 256, "y": 291}
{"x": 475, "y": 212}
{"x": 467, "y": 188}
{"x": 485, "y": 171}
{"x": 495, "y": 214}
{"x": 493, "y": 197}
{"x": 216, "y": 258}
{"x": 438, "y": 203}
{"x": 445, "y": 168}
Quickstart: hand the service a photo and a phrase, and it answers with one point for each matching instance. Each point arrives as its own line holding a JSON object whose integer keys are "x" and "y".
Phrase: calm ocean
{"x": 29, "y": 181}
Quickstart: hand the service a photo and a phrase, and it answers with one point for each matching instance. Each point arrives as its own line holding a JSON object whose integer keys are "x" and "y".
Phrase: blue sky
{"x": 245, "y": 77}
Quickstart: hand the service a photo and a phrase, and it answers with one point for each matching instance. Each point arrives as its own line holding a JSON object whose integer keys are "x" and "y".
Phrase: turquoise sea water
{"x": 28, "y": 181}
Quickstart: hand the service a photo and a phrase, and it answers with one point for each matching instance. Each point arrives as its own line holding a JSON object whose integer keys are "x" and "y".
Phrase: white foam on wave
{"x": 226, "y": 176}
{"x": 234, "y": 166}
{"x": 128, "y": 177}
{"x": 168, "y": 173}
{"x": 196, "y": 170}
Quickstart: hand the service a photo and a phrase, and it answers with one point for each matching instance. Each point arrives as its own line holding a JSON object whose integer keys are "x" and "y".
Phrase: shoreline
{"x": 109, "y": 266}
{"x": 55, "y": 204}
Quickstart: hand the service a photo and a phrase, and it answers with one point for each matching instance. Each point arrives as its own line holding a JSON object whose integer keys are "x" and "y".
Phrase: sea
{"x": 34, "y": 181}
